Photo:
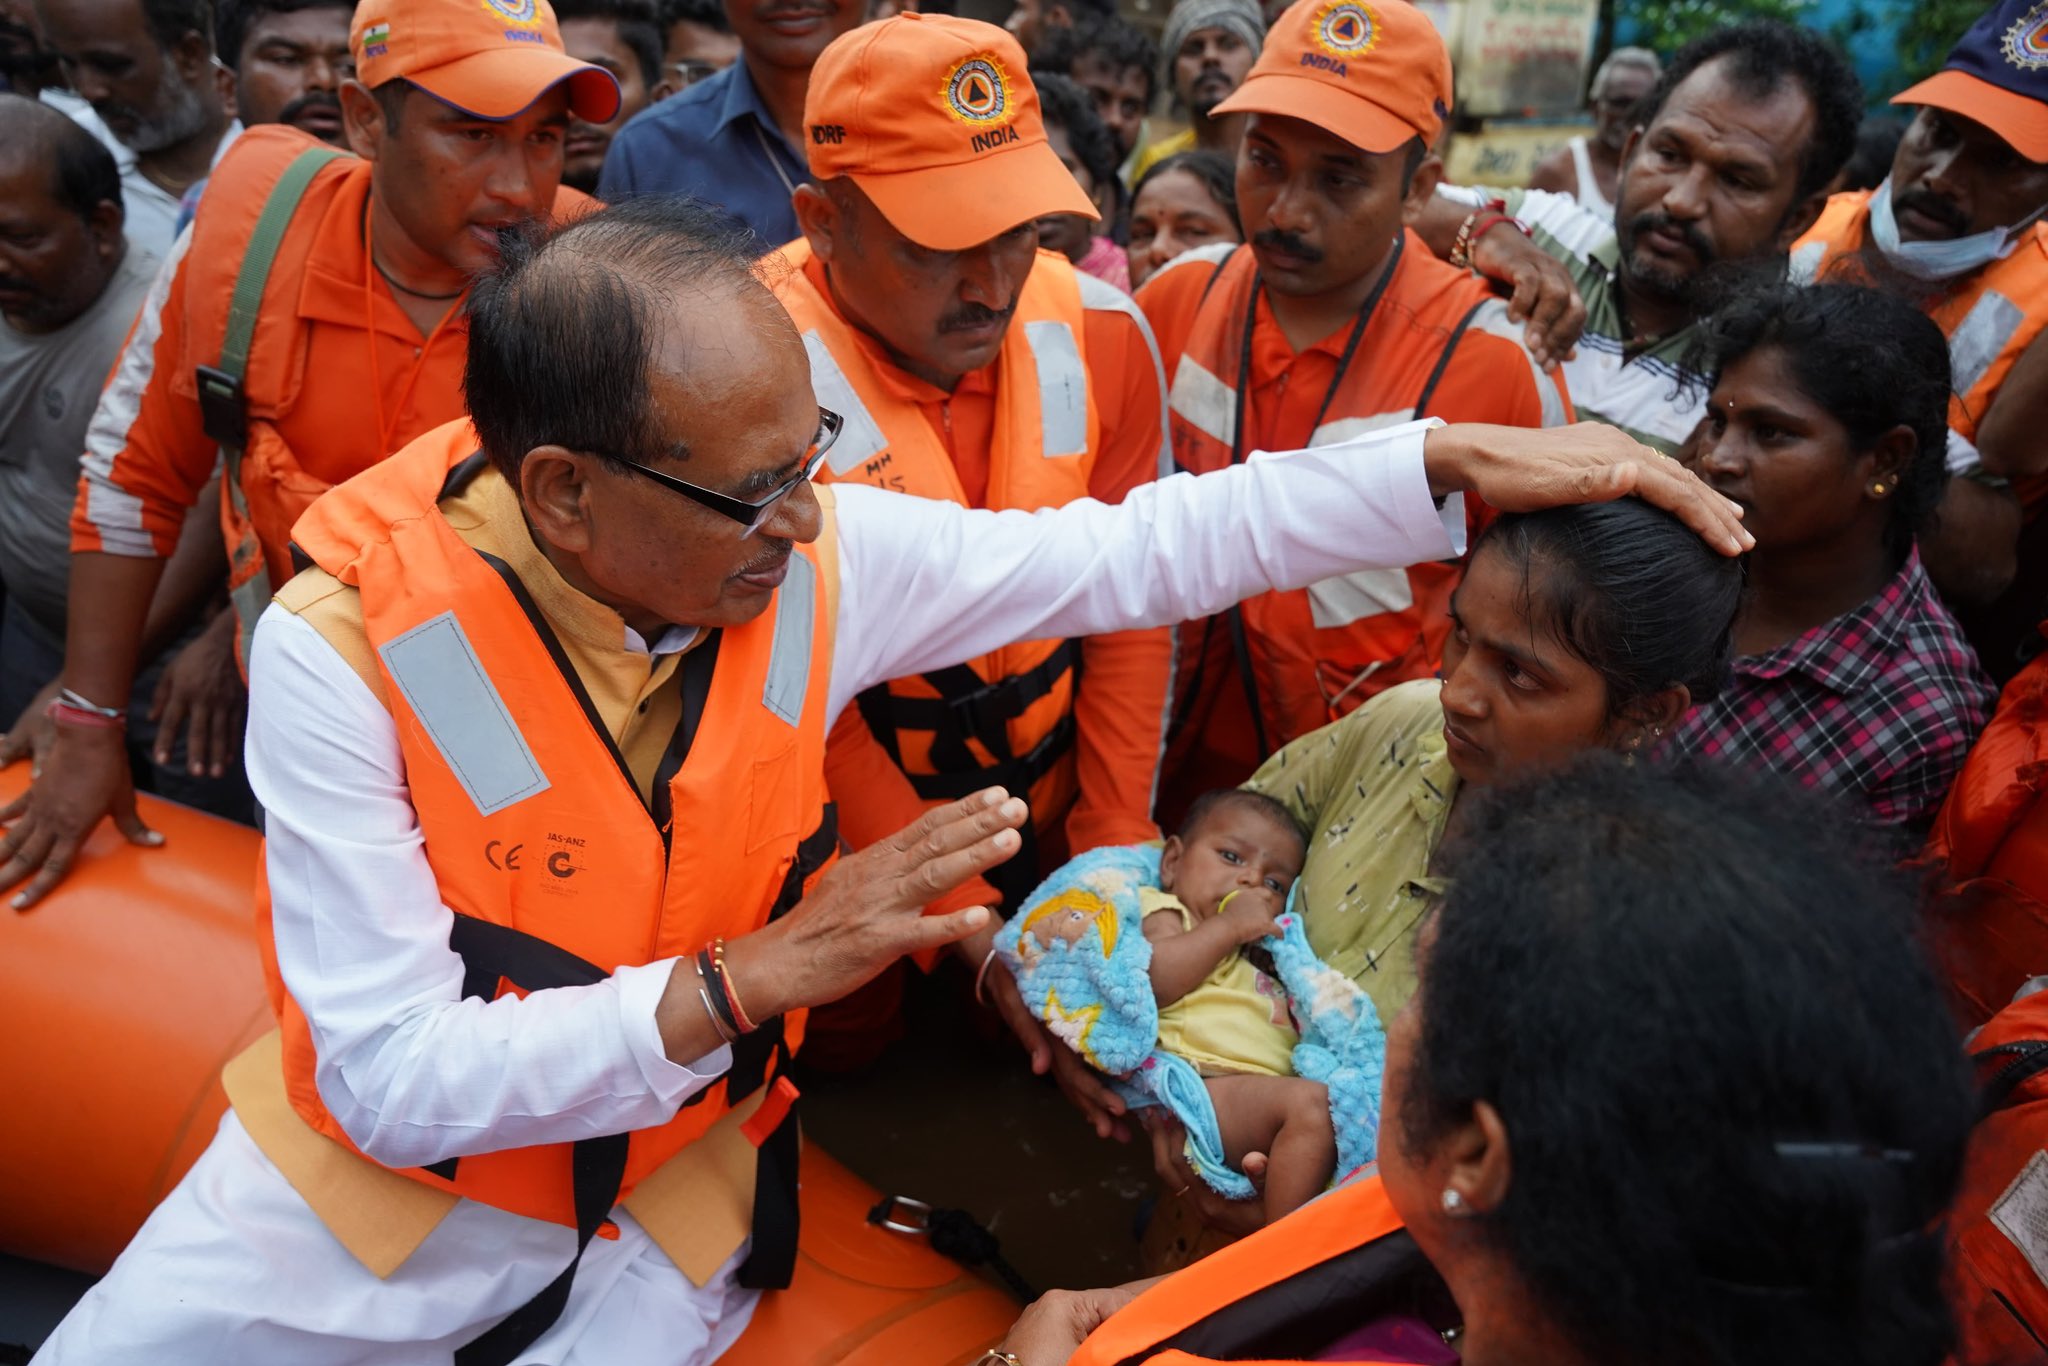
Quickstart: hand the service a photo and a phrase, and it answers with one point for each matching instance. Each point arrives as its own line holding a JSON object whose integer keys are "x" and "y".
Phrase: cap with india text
{"x": 1998, "y": 76}
{"x": 1372, "y": 72}
{"x": 490, "y": 58}
{"x": 937, "y": 123}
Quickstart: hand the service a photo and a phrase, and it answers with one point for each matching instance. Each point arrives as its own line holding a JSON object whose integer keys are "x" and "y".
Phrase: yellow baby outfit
{"x": 1235, "y": 1020}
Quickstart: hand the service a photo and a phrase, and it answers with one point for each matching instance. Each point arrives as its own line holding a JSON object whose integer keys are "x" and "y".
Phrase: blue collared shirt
{"x": 717, "y": 141}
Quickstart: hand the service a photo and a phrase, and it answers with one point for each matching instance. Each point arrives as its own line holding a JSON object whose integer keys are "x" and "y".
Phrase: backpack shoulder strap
{"x": 222, "y": 403}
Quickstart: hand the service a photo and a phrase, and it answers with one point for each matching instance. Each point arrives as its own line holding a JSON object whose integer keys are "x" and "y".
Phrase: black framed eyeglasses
{"x": 752, "y": 515}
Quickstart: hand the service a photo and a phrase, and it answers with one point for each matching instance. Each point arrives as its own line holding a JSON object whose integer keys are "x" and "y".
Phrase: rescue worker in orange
{"x": 540, "y": 742}
{"x": 1573, "y": 1169}
{"x": 1332, "y": 320}
{"x": 458, "y": 113}
{"x": 973, "y": 367}
{"x": 1958, "y": 229}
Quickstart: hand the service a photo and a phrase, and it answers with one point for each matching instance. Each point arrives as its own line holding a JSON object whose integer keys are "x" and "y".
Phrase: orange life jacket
{"x": 1990, "y": 844}
{"x": 1998, "y": 1272}
{"x": 1989, "y": 317}
{"x": 1008, "y": 716}
{"x": 248, "y": 257}
{"x": 265, "y": 488}
{"x": 501, "y": 751}
{"x": 1310, "y": 656}
{"x": 1283, "y": 1294}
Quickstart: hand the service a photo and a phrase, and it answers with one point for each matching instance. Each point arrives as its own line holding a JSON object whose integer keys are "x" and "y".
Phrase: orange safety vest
{"x": 1008, "y": 717}
{"x": 1990, "y": 844}
{"x": 1989, "y": 318}
{"x": 1310, "y": 656}
{"x": 501, "y": 751}
{"x": 1998, "y": 1263}
{"x": 1281, "y": 1295}
{"x": 272, "y": 489}
{"x": 272, "y": 190}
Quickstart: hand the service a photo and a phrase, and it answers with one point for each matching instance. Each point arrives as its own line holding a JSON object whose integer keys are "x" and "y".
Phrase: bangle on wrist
{"x": 704, "y": 995}
{"x": 1477, "y": 224}
{"x": 83, "y": 703}
{"x": 993, "y": 1357}
{"x": 715, "y": 997}
{"x": 981, "y": 977}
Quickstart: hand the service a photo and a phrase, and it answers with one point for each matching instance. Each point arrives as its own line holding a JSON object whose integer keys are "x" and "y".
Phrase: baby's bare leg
{"x": 1286, "y": 1118}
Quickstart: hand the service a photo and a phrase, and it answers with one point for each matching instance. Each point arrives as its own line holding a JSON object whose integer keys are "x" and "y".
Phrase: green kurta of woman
{"x": 1374, "y": 792}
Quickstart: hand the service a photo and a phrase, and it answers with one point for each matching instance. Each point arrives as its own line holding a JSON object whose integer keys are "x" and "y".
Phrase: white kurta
{"x": 234, "y": 1268}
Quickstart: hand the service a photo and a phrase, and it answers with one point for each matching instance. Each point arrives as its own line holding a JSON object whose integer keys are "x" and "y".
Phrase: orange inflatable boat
{"x": 125, "y": 992}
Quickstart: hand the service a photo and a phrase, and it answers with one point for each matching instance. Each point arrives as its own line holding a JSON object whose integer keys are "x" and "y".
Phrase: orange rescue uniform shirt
{"x": 1120, "y": 704}
{"x": 372, "y": 384}
{"x": 1487, "y": 380}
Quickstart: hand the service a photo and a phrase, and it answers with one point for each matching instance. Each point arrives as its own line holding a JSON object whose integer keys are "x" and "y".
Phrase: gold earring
{"x": 1877, "y": 488}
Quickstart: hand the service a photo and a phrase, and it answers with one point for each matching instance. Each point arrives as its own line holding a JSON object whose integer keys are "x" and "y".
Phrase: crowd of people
{"x": 744, "y": 450}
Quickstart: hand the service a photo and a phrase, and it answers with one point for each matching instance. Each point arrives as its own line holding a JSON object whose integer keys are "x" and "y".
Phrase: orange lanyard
{"x": 370, "y": 339}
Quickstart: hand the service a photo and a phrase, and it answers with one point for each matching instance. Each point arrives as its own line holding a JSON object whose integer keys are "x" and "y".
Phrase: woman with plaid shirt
{"x": 1827, "y": 422}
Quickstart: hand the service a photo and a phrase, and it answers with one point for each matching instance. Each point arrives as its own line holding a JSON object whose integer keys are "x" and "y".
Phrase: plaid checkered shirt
{"x": 1879, "y": 705}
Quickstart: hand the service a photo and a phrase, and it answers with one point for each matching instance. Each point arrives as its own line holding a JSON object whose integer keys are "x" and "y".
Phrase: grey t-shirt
{"x": 49, "y": 386}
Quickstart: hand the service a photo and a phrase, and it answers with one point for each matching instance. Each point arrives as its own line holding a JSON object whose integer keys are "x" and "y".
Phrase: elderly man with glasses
{"x": 549, "y": 869}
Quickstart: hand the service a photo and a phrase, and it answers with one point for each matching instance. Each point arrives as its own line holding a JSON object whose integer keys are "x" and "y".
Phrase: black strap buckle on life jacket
{"x": 757, "y": 1059}
{"x": 492, "y": 953}
{"x": 968, "y": 705}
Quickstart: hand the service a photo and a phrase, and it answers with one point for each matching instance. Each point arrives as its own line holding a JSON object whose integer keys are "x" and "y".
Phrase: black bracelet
{"x": 716, "y": 994}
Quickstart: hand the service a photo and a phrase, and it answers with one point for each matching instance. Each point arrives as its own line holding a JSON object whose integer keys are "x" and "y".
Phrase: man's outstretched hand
{"x": 1523, "y": 469}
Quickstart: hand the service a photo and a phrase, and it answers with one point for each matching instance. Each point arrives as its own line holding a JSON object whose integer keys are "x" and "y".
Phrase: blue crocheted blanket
{"x": 1082, "y": 964}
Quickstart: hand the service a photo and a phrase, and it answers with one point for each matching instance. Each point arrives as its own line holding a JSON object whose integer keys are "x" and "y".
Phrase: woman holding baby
{"x": 1674, "y": 1084}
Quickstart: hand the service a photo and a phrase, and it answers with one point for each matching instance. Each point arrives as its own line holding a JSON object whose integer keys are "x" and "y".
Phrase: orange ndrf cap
{"x": 935, "y": 120}
{"x": 490, "y": 58}
{"x": 1372, "y": 72}
{"x": 1998, "y": 76}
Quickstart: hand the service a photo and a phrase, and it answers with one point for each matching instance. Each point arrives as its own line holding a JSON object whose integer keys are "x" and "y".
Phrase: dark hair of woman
{"x": 1734, "y": 1104}
{"x": 1872, "y": 360}
{"x": 1071, "y": 109}
{"x": 1217, "y": 173}
{"x": 1628, "y": 588}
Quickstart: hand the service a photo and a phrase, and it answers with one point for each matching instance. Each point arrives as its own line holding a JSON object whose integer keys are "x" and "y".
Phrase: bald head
{"x": 563, "y": 336}
{"x": 60, "y": 216}
{"x": 651, "y": 402}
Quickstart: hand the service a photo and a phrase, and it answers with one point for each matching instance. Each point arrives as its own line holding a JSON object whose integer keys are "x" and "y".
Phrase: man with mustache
{"x": 975, "y": 368}
{"x": 1727, "y": 163}
{"x": 1208, "y": 48}
{"x": 1331, "y": 320}
{"x": 148, "y": 71}
{"x": 69, "y": 286}
{"x": 624, "y": 38}
{"x": 1958, "y": 229}
{"x": 457, "y": 113}
{"x": 289, "y": 58}
{"x": 540, "y": 736}
{"x": 737, "y": 138}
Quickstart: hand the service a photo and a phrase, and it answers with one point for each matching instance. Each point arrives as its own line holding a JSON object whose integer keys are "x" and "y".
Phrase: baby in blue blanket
{"x": 1223, "y": 880}
{"x": 1182, "y": 974}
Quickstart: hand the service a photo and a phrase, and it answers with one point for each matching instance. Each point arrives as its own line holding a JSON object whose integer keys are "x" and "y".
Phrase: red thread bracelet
{"x": 64, "y": 714}
{"x": 732, "y": 995}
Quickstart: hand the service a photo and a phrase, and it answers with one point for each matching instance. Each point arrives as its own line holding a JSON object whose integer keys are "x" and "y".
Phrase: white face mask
{"x": 1939, "y": 260}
